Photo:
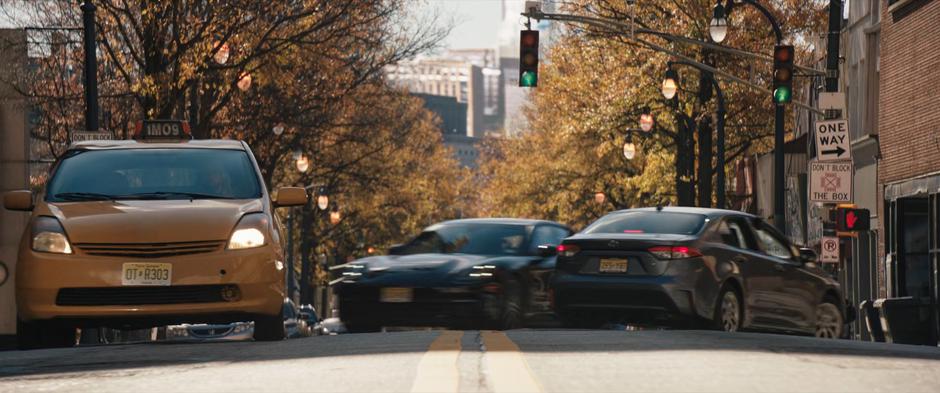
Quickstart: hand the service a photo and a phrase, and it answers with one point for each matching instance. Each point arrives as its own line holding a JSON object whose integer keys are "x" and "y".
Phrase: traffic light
{"x": 852, "y": 220}
{"x": 783, "y": 74}
{"x": 529, "y": 58}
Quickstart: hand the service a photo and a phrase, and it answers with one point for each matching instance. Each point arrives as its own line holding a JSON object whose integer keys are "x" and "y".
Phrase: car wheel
{"x": 270, "y": 328}
{"x": 511, "y": 315}
{"x": 43, "y": 334}
{"x": 829, "y": 321}
{"x": 728, "y": 311}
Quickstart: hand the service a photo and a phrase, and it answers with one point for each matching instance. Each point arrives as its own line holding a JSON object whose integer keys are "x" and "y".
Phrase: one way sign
{"x": 832, "y": 140}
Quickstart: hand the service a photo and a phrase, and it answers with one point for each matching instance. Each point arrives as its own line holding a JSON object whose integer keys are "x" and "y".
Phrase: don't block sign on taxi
{"x": 830, "y": 182}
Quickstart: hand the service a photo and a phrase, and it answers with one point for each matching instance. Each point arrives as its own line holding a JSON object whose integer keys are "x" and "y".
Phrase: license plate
{"x": 613, "y": 265}
{"x": 146, "y": 274}
{"x": 396, "y": 295}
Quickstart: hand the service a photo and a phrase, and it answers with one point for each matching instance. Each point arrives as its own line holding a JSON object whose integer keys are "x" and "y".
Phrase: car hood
{"x": 133, "y": 221}
{"x": 419, "y": 269}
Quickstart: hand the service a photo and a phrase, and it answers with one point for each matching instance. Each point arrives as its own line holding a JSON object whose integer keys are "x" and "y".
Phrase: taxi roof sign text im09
{"x": 162, "y": 131}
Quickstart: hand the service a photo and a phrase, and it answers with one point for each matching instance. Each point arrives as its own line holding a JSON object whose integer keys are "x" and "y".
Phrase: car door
{"x": 789, "y": 301}
{"x": 755, "y": 270}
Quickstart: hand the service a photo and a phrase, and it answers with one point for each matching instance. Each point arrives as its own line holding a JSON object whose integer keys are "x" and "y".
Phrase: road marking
{"x": 437, "y": 370}
{"x": 508, "y": 370}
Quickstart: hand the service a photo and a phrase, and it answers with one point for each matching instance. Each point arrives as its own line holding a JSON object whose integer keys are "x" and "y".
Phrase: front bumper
{"x": 448, "y": 307}
{"x": 87, "y": 289}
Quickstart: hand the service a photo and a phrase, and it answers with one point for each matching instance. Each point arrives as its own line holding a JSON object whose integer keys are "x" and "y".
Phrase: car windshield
{"x": 154, "y": 174}
{"x": 659, "y": 222}
{"x": 478, "y": 239}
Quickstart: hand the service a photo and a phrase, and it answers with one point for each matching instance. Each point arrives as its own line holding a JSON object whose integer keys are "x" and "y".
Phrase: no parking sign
{"x": 830, "y": 249}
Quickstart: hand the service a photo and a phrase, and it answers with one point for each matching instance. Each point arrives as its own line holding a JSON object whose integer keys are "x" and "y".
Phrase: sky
{"x": 477, "y": 21}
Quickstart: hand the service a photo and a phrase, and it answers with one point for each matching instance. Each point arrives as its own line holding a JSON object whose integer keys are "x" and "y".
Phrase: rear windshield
{"x": 469, "y": 238}
{"x": 154, "y": 174}
{"x": 648, "y": 222}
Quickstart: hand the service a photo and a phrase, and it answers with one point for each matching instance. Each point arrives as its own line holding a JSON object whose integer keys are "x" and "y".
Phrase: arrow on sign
{"x": 838, "y": 151}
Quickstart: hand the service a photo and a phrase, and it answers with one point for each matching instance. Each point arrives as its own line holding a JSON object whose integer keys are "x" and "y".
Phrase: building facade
{"x": 908, "y": 123}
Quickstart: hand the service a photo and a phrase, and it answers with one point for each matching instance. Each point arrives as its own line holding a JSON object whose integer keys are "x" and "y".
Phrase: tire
{"x": 830, "y": 323}
{"x": 270, "y": 328}
{"x": 43, "y": 334}
{"x": 511, "y": 309}
{"x": 729, "y": 311}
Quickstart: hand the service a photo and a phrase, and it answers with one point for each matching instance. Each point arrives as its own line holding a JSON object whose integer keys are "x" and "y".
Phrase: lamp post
{"x": 718, "y": 34}
{"x": 720, "y": 130}
{"x": 91, "y": 66}
{"x": 306, "y": 270}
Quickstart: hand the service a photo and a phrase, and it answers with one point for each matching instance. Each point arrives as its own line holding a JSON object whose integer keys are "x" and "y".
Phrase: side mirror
{"x": 4, "y": 273}
{"x": 547, "y": 250}
{"x": 290, "y": 196}
{"x": 807, "y": 255}
{"x": 21, "y": 200}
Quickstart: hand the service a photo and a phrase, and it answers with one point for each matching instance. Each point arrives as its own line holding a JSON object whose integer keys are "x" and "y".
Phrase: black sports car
{"x": 665, "y": 265}
{"x": 461, "y": 273}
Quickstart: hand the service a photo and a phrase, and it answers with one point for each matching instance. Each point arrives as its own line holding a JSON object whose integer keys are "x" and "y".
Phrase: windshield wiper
{"x": 83, "y": 196}
{"x": 168, "y": 195}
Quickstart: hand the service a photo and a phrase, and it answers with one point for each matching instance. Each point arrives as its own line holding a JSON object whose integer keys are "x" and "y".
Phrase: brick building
{"x": 909, "y": 139}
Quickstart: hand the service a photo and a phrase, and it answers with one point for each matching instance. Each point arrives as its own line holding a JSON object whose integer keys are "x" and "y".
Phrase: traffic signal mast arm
{"x": 606, "y": 24}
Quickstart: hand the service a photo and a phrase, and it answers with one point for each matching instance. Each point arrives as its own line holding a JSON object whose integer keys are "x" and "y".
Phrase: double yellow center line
{"x": 506, "y": 370}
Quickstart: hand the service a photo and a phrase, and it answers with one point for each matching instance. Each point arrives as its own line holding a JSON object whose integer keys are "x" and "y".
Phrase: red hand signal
{"x": 850, "y": 219}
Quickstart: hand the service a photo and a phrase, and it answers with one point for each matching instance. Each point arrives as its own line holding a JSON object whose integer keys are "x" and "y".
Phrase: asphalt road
{"x": 474, "y": 361}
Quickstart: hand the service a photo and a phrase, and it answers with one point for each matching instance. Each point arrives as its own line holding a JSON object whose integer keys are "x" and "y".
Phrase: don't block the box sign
{"x": 831, "y": 182}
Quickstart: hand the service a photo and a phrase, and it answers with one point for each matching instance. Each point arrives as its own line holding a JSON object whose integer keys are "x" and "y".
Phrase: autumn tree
{"x": 596, "y": 81}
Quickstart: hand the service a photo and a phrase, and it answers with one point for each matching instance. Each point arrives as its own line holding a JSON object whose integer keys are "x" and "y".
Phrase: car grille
{"x": 149, "y": 250}
{"x": 126, "y": 296}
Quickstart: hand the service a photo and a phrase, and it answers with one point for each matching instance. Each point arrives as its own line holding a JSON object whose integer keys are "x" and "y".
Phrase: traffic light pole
{"x": 91, "y": 66}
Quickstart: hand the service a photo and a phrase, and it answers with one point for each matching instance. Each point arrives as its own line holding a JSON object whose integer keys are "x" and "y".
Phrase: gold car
{"x": 130, "y": 234}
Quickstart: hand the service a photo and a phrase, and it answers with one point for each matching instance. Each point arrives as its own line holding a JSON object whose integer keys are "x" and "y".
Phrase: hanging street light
{"x": 335, "y": 217}
{"x": 670, "y": 84}
{"x": 278, "y": 129}
{"x": 323, "y": 200}
{"x": 599, "y": 198}
{"x": 221, "y": 55}
{"x": 718, "y": 27}
{"x": 244, "y": 81}
{"x": 303, "y": 164}
{"x": 646, "y": 120}
{"x": 629, "y": 150}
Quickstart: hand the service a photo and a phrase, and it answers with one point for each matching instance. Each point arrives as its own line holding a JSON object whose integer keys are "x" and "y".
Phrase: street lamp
{"x": 670, "y": 84}
{"x": 323, "y": 200}
{"x": 629, "y": 150}
{"x": 335, "y": 216}
{"x": 718, "y": 28}
{"x": 222, "y": 54}
{"x": 599, "y": 198}
{"x": 303, "y": 164}
{"x": 646, "y": 120}
{"x": 244, "y": 81}
{"x": 278, "y": 129}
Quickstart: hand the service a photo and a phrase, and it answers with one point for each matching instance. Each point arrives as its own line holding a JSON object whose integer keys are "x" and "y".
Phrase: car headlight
{"x": 249, "y": 233}
{"x": 49, "y": 236}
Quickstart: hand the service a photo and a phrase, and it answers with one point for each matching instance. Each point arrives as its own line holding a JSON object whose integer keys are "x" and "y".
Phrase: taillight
{"x": 674, "y": 252}
{"x": 568, "y": 250}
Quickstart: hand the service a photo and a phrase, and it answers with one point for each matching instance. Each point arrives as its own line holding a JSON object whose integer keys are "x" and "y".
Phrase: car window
{"x": 770, "y": 244}
{"x": 164, "y": 173}
{"x": 724, "y": 234}
{"x": 547, "y": 235}
{"x": 288, "y": 311}
{"x": 648, "y": 222}
{"x": 469, "y": 238}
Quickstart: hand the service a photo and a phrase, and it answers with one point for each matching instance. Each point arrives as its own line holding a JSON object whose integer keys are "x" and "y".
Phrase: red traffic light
{"x": 853, "y": 220}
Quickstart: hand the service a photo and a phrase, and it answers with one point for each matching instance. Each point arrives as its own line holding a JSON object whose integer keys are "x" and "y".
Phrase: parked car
{"x": 727, "y": 269}
{"x": 472, "y": 272}
{"x": 238, "y": 331}
{"x": 309, "y": 315}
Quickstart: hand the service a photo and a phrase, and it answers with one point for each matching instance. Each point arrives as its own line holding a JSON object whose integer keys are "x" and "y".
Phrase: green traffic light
{"x": 782, "y": 95}
{"x": 529, "y": 79}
